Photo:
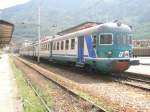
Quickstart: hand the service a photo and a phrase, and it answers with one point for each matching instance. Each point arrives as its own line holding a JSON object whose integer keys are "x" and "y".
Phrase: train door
{"x": 80, "y": 49}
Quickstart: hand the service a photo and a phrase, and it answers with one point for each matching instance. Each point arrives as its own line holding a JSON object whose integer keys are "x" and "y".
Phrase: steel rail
{"x": 127, "y": 79}
{"x": 40, "y": 98}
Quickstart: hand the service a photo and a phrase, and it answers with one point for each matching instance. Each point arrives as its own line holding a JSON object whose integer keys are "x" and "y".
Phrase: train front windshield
{"x": 106, "y": 39}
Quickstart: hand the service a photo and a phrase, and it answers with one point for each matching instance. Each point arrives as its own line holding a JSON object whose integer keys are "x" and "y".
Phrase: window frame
{"x": 106, "y": 34}
{"x": 54, "y": 45}
{"x": 62, "y": 45}
{"x": 72, "y": 48}
{"x": 66, "y": 44}
{"x": 58, "y": 46}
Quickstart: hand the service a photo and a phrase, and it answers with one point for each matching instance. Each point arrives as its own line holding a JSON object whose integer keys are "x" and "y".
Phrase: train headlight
{"x": 126, "y": 54}
{"x": 109, "y": 54}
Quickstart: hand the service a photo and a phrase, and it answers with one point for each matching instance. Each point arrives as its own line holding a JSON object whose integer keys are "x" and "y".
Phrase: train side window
{"x": 106, "y": 39}
{"x": 57, "y": 45}
{"x": 72, "y": 43}
{"x": 53, "y": 46}
{"x": 49, "y": 45}
{"x": 67, "y": 44}
{"x": 43, "y": 46}
{"x": 46, "y": 46}
{"x": 94, "y": 41}
{"x": 62, "y": 45}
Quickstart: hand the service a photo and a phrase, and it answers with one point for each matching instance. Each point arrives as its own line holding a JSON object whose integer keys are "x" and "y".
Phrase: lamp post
{"x": 0, "y": 14}
{"x": 39, "y": 34}
{"x": 38, "y": 31}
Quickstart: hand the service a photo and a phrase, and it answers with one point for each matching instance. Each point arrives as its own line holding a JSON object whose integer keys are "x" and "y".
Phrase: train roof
{"x": 102, "y": 28}
{"x": 105, "y": 27}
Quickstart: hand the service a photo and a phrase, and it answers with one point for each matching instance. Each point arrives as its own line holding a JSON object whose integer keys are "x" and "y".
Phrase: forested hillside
{"x": 57, "y": 15}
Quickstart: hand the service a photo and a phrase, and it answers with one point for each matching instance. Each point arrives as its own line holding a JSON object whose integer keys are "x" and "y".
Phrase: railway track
{"x": 38, "y": 95}
{"x": 69, "y": 90}
{"x": 134, "y": 80}
{"x": 130, "y": 79}
{"x": 44, "y": 70}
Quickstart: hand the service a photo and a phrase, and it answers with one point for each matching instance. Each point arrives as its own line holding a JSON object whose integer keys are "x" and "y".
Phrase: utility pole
{"x": 0, "y": 14}
{"x": 39, "y": 34}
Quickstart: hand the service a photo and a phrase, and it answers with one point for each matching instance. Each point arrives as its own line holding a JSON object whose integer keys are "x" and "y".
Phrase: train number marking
{"x": 121, "y": 54}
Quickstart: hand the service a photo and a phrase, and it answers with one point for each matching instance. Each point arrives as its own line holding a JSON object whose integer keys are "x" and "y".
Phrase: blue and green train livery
{"x": 106, "y": 47}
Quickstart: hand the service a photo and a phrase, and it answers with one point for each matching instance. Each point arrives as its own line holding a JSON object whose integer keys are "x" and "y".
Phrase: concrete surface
{"x": 8, "y": 99}
{"x": 143, "y": 68}
{"x": 140, "y": 69}
{"x": 143, "y": 60}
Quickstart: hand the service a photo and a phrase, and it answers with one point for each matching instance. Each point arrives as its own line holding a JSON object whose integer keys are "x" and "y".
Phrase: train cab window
{"x": 72, "y": 43}
{"x": 62, "y": 45}
{"x": 57, "y": 45}
{"x": 106, "y": 39}
{"x": 94, "y": 41}
{"x": 67, "y": 44}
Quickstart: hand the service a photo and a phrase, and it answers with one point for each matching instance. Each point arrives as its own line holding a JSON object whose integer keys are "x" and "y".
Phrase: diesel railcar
{"x": 105, "y": 47}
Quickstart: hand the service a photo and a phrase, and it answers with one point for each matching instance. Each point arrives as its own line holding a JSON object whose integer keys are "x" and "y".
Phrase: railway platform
{"x": 143, "y": 68}
{"x": 140, "y": 69}
{"x": 9, "y": 101}
{"x": 144, "y": 60}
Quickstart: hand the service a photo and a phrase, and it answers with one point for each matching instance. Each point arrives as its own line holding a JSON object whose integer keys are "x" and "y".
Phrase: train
{"x": 106, "y": 47}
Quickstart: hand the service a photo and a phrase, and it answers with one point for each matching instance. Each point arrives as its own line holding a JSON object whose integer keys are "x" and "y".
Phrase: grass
{"x": 44, "y": 93}
{"x": 30, "y": 101}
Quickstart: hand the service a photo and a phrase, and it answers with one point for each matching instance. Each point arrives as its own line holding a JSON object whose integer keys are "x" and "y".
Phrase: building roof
{"x": 6, "y": 31}
{"x": 78, "y": 27}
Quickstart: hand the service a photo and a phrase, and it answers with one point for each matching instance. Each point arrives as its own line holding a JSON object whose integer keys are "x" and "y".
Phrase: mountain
{"x": 59, "y": 15}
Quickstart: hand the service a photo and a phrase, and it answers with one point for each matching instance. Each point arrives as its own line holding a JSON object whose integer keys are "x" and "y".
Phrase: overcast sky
{"x": 9, "y": 3}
